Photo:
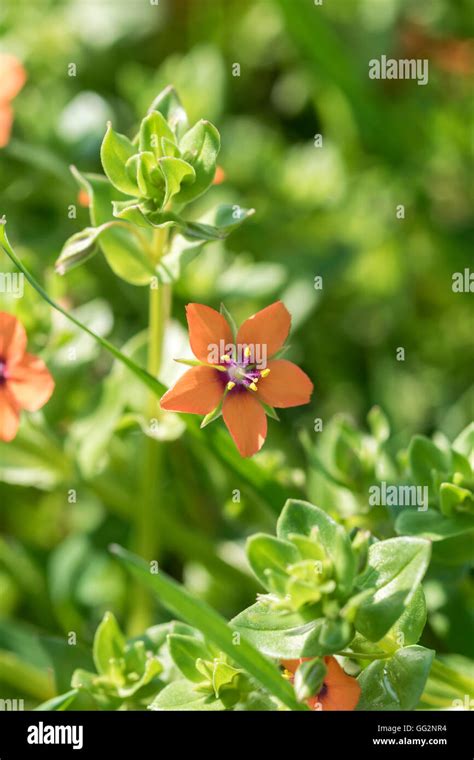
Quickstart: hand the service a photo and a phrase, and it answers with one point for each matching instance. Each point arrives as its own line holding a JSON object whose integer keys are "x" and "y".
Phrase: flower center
{"x": 242, "y": 374}
{"x": 3, "y": 371}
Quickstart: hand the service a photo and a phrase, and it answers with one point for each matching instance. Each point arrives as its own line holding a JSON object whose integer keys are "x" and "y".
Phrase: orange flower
{"x": 12, "y": 79}
{"x": 240, "y": 373}
{"x": 25, "y": 382}
{"x": 338, "y": 692}
{"x": 219, "y": 176}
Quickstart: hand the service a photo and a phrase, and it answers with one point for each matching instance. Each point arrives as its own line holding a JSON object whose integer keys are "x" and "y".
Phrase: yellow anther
{"x": 247, "y": 352}
{"x": 253, "y": 387}
{"x": 225, "y": 358}
{"x": 230, "y": 385}
{"x": 264, "y": 372}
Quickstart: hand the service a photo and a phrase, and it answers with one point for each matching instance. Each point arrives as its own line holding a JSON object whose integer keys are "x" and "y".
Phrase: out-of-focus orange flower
{"x": 25, "y": 382}
{"x": 452, "y": 54}
{"x": 83, "y": 198}
{"x": 338, "y": 692}
{"x": 219, "y": 176}
{"x": 240, "y": 373}
{"x": 12, "y": 79}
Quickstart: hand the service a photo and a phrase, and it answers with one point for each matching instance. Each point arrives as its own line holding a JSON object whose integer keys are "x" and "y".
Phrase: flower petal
{"x": 6, "y": 122}
{"x": 286, "y": 385}
{"x": 268, "y": 327}
{"x": 209, "y": 333}
{"x": 341, "y": 693}
{"x": 198, "y": 391}
{"x": 245, "y": 420}
{"x": 9, "y": 415}
{"x": 30, "y": 382}
{"x": 12, "y": 77}
{"x": 12, "y": 338}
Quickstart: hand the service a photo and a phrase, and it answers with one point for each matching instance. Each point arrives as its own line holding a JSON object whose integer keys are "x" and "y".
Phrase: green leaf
{"x": 378, "y": 424}
{"x": 464, "y": 443}
{"x": 181, "y": 695}
{"x": 185, "y": 650}
{"x": 394, "y": 570}
{"x": 425, "y": 457}
{"x": 409, "y": 626}
{"x": 59, "y": 703}
{"x": 432, "y": 525}
{"x": 269, "y": 553}
{"x": 148, "y": 380}
{"x": 109, "y": 644}
{"x": 80, "y": 247}
{"x": 150, "y": 179}
{"x": 168, "y": 103}
{"x": 397, "y": 683}
{"x": 454, "y": 499}
{"x": 300, "y": 517}
{"x": 230, "y": 319}
{"x": 199, "y": 147}
{"x": 270, "y": 411}
{"x": 226, "y": 219}
{"x": 124, "y": 249}
{"x": 177, "y": 173}
{"x": 198, "y": 614}
{"x": 212, "y": 416}
{"x": 309, "y": 678}
{"x": 288, "y": 635}
{"x": 153, "y": 129}
{"x": 115, "y": 151}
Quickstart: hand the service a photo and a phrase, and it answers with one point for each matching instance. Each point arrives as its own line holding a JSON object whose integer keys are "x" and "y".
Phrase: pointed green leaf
{"x": 168, "y": 103}
{"x": 115, "y": 151}
{"x": 199, "y": 147}
{"x": 109, "y": 644}
{"x": 153, "y": 129}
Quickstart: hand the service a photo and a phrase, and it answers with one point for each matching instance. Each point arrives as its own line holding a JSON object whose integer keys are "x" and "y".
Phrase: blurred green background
{"x": 67, "y": 485}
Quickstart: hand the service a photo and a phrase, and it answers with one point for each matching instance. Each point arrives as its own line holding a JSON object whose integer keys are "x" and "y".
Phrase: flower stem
{"x": 148, "y": 534}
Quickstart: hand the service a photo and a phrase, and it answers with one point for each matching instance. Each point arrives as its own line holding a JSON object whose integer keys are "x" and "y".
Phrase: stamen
{"x": 253, "y": 387}
{"x": 247, "y": 352}
{"x": 230, "y": 385}
{"x": 225, "y": 358}
{"x": 265, "y": 372}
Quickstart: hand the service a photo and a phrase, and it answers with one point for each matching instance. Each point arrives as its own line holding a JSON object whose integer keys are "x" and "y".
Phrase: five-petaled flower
{"x": 239, "y": 372}
{"x": 25, "y": 382}
{"x": 338, "y": 692}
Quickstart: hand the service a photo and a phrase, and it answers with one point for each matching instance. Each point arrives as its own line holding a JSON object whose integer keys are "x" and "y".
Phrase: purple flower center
{"x": 3, "y": 371}
{"x": 242, "y": 374}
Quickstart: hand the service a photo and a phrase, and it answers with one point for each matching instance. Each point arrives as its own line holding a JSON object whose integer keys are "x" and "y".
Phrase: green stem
{"x": 148, "y": 528}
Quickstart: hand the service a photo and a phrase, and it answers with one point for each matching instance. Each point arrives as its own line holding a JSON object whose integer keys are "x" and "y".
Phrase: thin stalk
{"x": 148, "y": 529}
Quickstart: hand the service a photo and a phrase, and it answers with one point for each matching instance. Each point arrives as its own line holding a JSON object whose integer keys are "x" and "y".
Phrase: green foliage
{"x": 84, "y": 470}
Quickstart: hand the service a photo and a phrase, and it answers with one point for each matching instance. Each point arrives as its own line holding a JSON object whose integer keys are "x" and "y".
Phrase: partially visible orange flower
{"x": 338, "y": 692}
{"x": 83, "y": 198}
{"x": 241, "y": 374}
{"x": 12, "y": 79}
{"x": 25, "y": 382}
{"x": 219, "y": 176}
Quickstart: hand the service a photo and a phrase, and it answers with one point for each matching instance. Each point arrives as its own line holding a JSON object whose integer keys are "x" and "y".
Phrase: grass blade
{"x": 198, "y": 614}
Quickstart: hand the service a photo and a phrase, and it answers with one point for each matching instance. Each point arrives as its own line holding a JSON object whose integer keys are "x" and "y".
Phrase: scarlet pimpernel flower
{"x": 25, "y": 381}
{"x": 240, "y": 376}
{"x": 338, "y": 690}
